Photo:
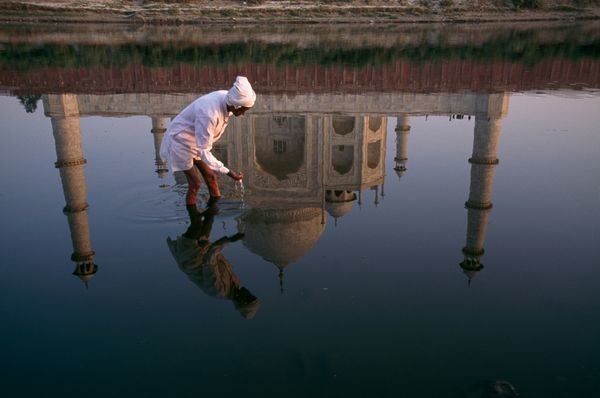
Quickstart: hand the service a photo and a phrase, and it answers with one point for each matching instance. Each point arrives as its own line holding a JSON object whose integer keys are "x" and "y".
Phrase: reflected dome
{"x": 281, "y": 236}
{"x": 337, "y": 210}
{"x": 339, "y": 203}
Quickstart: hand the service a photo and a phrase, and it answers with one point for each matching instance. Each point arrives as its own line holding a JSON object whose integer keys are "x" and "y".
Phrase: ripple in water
{"x": 165, "y": 204}
{"x": 151, "y": 204}
{"x": 240, "y": 187}
{"x": 232, "y": 202}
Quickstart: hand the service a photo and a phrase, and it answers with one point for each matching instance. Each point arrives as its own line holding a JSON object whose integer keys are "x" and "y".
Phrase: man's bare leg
{"x": 210, "y": 178}
{"x": 194, "y": 184}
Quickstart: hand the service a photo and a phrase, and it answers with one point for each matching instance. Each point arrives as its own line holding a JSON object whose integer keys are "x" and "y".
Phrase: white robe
{"x": 193, "y": 132}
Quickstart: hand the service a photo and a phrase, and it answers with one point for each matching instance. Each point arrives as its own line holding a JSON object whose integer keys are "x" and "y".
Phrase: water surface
{"x": 415, "y": 240}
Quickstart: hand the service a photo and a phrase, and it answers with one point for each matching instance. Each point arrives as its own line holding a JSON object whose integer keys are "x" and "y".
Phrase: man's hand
{"x": 235, "y": 175}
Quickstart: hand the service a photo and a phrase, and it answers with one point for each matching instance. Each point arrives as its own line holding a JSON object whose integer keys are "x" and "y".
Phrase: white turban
{"x": 241, "y": 94}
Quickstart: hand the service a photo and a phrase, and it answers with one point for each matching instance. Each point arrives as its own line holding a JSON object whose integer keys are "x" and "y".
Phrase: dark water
{"x": 390, "y": 254}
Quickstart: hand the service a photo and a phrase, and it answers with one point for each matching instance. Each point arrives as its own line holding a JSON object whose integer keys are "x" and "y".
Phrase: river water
{"x": 419, "y": 215}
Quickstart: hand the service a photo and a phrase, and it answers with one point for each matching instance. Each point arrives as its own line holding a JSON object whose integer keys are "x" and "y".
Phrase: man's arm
{"x": 204, "y": 127}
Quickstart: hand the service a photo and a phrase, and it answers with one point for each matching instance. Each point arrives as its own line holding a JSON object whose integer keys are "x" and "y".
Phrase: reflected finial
{"x": 281, "y": 280}
{"x": 471, "y": 265}
{"x": 376, "y": 189}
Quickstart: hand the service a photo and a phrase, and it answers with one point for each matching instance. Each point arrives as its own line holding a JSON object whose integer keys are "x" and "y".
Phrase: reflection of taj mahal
{"x": 299, "y": 161}
{"x": 297, "y": 167}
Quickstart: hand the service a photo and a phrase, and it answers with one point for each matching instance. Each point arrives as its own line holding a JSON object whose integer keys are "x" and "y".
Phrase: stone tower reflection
{"x": 64, "y": 113}
{"x": 402, "y": 133}
{"x": 483, "y": 166}
{"x": 159, "y": 127}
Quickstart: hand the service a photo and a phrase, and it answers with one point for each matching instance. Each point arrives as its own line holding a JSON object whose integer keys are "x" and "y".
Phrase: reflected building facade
{"x": 298, "y": 167}
{"x": 300, "y": 162}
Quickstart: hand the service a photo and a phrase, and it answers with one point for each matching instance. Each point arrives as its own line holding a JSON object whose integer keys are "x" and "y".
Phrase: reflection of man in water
{"x": 204, "y": 264}
{"x": 192, "y": 133}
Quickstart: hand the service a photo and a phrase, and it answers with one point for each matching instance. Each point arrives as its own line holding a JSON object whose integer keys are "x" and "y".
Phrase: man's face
{"x": 239, "y": 111}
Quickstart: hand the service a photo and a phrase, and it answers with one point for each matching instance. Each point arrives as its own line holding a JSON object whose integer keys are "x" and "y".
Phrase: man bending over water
{"x": 193, "y": 132}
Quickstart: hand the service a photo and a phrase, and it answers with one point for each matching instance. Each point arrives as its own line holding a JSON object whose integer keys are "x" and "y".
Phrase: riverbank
{"x": 176, "y": 12}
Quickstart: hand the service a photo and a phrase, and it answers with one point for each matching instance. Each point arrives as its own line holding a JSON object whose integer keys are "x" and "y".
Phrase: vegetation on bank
{"x": 447, "y": 4}
{"x": 519, "y": 46}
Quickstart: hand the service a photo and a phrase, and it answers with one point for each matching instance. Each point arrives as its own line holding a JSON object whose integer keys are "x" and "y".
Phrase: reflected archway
{"x": 342, "y": 158}
{"x": 279, "y": 144}
{"x": 375, "y": 123}
{"x": 343, "y": 125}
{"x": 373, "y": 154}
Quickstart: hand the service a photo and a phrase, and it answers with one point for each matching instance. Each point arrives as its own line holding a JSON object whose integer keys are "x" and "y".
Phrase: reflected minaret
{"x": 402, "y": 132}
{"x": 483, "y": 166}
{"x": 159, "y": 127}
{"x": 64, "y": 113}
